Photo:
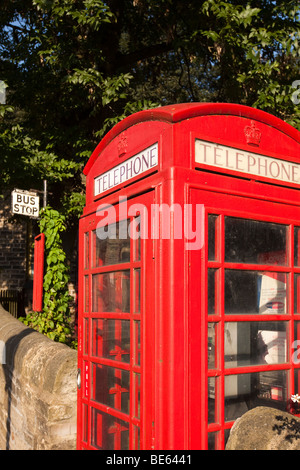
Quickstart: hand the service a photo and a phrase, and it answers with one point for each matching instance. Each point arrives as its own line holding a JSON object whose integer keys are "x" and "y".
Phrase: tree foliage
{"x": 76, "y": 67}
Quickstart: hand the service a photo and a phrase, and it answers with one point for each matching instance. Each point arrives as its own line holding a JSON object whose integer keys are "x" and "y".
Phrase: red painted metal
{"x": 38, "y": 277}
{"x": 158, "y": 391}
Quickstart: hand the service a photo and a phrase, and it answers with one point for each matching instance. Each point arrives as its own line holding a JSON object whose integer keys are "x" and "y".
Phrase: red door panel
{"x": 247, "y": 274}
{"x": 114, "y": 398}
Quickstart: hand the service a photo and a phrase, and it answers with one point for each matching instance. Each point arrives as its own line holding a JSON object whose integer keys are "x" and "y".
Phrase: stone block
{"x": 264, "y": 428}
{"x": 38, "y": 392}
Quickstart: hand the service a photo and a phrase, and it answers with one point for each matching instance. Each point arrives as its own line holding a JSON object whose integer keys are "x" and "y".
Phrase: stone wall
{"x": 38, "y": 392}
{"x": 265, "y": 428}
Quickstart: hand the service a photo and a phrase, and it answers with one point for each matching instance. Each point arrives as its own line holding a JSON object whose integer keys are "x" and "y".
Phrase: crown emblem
{"x": 253, "y": 134}
{"x": 122, "y": 145}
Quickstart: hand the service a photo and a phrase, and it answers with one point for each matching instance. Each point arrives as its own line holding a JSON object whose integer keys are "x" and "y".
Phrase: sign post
{"x": 25, "y": 203}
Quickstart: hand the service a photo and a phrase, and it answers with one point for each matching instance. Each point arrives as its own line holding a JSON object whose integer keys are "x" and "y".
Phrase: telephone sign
{"x": 25, "y": 203}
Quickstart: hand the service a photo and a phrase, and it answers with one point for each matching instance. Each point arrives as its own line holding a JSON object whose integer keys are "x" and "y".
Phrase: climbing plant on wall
{"x": 55, "y": 320}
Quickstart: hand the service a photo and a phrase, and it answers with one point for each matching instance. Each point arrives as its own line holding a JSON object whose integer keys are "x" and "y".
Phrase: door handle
{"x": 79, "y": 379}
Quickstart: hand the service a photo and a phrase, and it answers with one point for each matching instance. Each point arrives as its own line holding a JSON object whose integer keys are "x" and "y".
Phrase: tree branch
{"x": 145, "y": 53}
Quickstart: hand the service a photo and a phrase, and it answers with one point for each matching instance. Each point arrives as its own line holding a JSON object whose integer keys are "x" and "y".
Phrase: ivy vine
{"x": 55, "y": 319}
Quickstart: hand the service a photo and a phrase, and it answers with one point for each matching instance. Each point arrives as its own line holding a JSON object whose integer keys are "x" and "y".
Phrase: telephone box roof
{"x": 179, "y": 112}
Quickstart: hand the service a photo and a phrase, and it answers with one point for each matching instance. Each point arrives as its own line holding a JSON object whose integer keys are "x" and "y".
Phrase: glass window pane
{"x": 137, "y": 290}
{"x": 212, "y": 399}
{"x": 211, "y": 327}
{"x": 253, "y": 292}
{"x": 296, "y": 344}
{"x": 111, "y": 292}
{"x": 297, "y": 382}
{"x": 294, "y": 405}
{"x": 86, "y": 293}
{"x": 111, "y": 339}
{"x": 85, "y": 423}
{"x": 212, "y": 220}
{"x": 137, "y": 343}
{"x": 111, "y": 387}
{"x": 226, "y": 435}
{"x": 111, "y": 244}
{"x": 136, "y": 227}
{"x": 137, "y": 395}
{"x": 255, "y": 343}
{"x": 108, "y": 432}
{"x": 246, "y": 391}
{"x": 86, "y": 250}
{"x": 297, "y": 246}
{"x": 212, "y": 440}
{"x": 297, "y": 293}
{"x": 211, "y": 295}
{"x": 252, "y": 241}
{"x": 85, "y": 335}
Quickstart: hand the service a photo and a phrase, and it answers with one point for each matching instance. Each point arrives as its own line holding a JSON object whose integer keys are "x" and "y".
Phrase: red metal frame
{"x": 174, "y": 319}
{"x": 98, "y": 349}
{"x": 38, "y": 278}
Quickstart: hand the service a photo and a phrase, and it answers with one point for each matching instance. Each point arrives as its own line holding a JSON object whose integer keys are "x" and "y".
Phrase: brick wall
{"x": 12, "y": 250}
{"x": 14, "y": 254}
{"x": 38, "y": 392}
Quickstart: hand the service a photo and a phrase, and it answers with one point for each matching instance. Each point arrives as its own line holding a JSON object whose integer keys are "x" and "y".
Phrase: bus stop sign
{"x": 25, "y": 203}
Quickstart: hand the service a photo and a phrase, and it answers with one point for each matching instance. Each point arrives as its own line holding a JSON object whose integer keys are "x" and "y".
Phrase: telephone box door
{"x": 114, "y": 393}
{"x": 250, "y": 312}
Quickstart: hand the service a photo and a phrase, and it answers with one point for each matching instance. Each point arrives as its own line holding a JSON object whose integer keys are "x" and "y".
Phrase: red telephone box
{"x": 189, "y": 277}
